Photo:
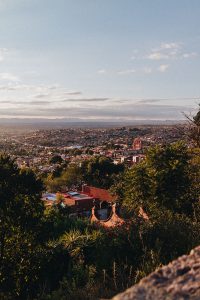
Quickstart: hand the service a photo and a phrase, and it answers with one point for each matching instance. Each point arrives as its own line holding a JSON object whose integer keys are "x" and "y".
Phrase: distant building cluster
{"x": 35, "y": 148}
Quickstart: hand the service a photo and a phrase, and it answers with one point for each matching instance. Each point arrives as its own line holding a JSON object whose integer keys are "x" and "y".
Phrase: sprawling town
{"x": 52, "y": 152}
{"x": 35, "y": 148}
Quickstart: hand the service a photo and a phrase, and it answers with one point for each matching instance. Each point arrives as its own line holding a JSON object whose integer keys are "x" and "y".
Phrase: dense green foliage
{"x": 194, "y": 128}
{"x": 56, "y": 159}
{"x": 99, "y": 171}
{"x": 21, "y": 212}
{"x": 164, "y": 180}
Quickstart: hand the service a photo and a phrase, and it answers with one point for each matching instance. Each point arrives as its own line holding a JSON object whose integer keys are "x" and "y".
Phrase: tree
{"x": 69, "y": 178}
{"x": 56, "y": 159}
{"x": 194, "y": 128}
{"x": 21, "y": 211}
{"x": 162, "y": 180}
{"x": 100, "y": 171}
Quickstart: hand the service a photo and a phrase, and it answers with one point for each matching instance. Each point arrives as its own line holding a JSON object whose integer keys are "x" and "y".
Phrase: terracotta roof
{"x": 97, "y": 193}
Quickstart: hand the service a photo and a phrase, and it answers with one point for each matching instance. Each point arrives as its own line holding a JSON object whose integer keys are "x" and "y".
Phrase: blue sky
{"x": 99, "y": 59}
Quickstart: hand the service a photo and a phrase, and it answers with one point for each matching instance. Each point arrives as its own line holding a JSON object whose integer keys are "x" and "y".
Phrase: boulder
{"x": 179, "y": 280}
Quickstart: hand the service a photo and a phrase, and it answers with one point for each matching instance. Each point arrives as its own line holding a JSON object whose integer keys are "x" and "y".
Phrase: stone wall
{"x": 180, "y": 280}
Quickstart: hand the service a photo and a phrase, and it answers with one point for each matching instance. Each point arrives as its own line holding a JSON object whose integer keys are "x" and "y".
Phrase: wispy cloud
{"x": 170, "y": 51}
{"x": 147, "y": 70}
{"x": 126, "y": 72}
{"x": 157, "y": 56}
{"x": 165, "y": 51}
{"x": 170, "y": 46}
{"x": 3, "y": 52}
{"x": 41, "y": 95}
{"x": 9, "y": 77}
{"x": 148, "y": 101}
{"x": 17, "y": 86}
{"x": 37, "y": 103}
{"x": 129, "y": 112}
{"x": 135, "y": 54}
{"x": 133, "y": 57}
{"x": 86, "y": 100}
{"x": 102, "y": 71}
{"x": 20, "y": 100}
{"x": 189, "y": 54}
{"x": 163, "y": 68}
{"x": 73, "y": 93}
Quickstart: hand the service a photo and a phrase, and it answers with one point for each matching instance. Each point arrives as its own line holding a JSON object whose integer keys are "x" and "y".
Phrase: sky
{"x": 108, "y": 60}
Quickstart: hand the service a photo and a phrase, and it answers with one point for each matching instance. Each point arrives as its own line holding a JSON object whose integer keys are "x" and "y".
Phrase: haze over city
{"x": 99, "y": 60}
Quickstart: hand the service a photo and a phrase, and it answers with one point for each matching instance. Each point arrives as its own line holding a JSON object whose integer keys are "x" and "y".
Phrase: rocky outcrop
{"x": 180, "y": 280}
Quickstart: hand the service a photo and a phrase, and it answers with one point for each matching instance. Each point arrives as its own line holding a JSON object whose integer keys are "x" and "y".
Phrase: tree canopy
{"x": 100, "y": 171}
{"x": 21, "y": 212}
{"x": 163, "y": 181}
{"x": 194, "y": 128}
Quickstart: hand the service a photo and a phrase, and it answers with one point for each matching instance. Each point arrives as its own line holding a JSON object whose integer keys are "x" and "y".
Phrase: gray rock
{"x": 180, "y": 280}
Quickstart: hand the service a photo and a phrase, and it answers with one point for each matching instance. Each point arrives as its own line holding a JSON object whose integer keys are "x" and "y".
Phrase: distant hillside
{"x": 60, "y": 123}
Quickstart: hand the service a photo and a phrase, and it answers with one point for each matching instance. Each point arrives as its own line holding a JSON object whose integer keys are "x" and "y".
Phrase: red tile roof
{"x": 97, "y": 193}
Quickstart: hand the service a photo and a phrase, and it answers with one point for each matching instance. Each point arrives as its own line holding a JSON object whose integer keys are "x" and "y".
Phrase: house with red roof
{"x": 100, "y": 195}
